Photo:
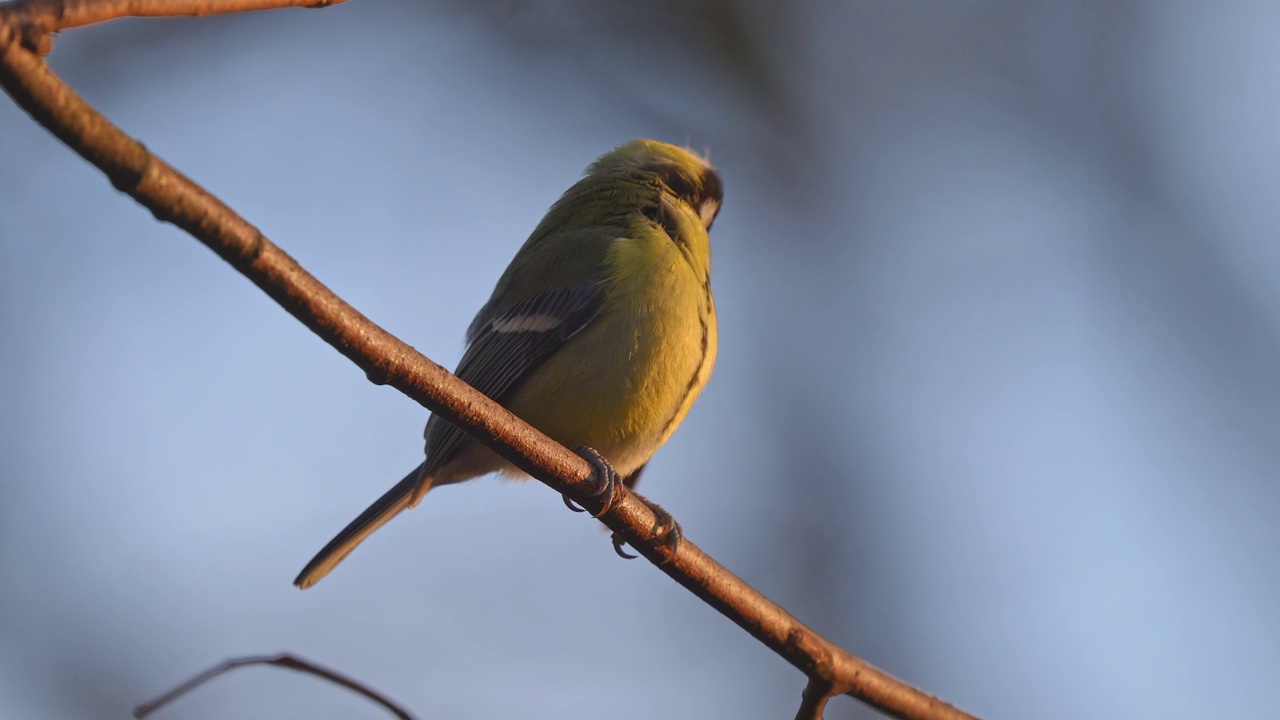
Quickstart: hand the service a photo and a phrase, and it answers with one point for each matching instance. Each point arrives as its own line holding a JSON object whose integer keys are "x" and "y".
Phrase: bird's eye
{"x": 683, "y": 188}
{"x": 679, "y": 183}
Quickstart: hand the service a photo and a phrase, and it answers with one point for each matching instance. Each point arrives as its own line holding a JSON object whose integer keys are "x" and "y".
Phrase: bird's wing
{"x": 507, "y": 344}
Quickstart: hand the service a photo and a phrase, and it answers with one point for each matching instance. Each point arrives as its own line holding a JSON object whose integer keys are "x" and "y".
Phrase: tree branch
{"x": 174, "y": 198}
{"x": 54, "y": 15}
{"x": 284, "y": 660}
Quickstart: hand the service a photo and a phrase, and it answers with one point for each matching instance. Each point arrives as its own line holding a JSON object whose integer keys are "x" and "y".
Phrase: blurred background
{"x": 996, "y": 408}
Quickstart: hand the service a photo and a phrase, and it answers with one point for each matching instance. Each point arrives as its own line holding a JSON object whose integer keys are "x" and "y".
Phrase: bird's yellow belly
{"x": 654, "y": 344}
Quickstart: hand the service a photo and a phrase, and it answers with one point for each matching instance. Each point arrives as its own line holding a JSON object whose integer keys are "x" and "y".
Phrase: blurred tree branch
{"x": 284, "y": 660}
{"x": 25, "y": 36}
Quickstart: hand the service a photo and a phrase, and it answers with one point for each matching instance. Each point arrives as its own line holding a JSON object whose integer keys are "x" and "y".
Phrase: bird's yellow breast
{"x": 653, "y": 348}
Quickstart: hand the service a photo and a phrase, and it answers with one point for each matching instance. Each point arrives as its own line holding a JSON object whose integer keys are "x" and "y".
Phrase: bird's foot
{"x": 606, "y": 480}
{"x": 665, "y": 529}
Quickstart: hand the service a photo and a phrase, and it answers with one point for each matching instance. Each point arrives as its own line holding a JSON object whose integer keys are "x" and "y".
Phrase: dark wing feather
{"x": 509, "y": 343}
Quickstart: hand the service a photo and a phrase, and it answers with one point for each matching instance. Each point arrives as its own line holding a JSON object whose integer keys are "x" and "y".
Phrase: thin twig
{"x": 55, "y": 15}
{"x": 814, "y": 700}
{"x": 284, "y": 660}
{"x": 172, "y": 197}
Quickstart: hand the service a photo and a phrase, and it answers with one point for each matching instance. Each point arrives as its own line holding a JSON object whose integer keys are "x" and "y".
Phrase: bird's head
{"x": 683, "y": 173}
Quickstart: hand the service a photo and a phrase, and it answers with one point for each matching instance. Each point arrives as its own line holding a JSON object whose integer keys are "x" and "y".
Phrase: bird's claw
{"x": 606, "y": 479}
{"x": 665, "y": 529}
{"x": 618, "y": 542}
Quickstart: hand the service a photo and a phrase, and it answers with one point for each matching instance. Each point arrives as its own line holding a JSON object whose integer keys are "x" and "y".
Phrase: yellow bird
{"x": 601, "y": 333}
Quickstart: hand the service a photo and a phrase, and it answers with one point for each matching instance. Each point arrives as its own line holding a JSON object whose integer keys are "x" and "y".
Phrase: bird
{"x": 601, "y": 332}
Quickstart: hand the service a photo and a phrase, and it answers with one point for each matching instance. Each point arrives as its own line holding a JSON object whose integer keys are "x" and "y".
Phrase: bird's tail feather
{"x": 404, "y": 495}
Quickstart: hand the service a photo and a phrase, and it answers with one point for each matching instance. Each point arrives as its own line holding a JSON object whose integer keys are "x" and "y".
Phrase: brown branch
{"x": 172, "y": 197}
{"x": 55, "y": 15}
{"x": 284, "y": 660}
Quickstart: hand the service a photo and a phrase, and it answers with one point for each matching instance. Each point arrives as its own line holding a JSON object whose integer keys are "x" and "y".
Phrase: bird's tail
{"x": 404, "y": 495}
